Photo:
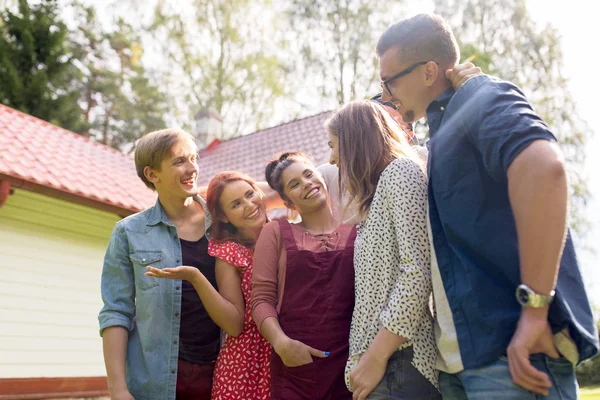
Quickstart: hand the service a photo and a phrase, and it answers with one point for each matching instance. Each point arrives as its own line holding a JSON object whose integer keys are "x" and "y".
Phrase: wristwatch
{"x": 528, "y": 298}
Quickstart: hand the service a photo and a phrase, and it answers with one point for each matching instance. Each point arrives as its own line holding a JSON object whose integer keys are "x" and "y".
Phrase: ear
{"x": 223, "y": 219}
{"x": 431, "y": 71}
{"x": 150, "y": 174}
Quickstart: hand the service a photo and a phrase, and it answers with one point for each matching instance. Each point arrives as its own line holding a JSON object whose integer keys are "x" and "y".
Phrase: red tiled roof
{"x": 37, "y": 154}
{"x": 250, "y": 153}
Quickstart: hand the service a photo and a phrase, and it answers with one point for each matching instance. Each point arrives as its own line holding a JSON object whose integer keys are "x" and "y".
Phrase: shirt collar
{"x": 435, "y": 110}
{"x": 440, "y": 103}
{"x": 158, "y": 214}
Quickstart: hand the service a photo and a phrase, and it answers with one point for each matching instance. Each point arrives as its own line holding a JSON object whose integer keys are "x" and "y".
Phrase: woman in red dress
{"x": 242, "y": 370}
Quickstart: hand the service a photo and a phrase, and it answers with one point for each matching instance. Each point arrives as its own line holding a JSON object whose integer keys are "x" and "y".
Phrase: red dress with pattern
{"x": 242, "y": 370}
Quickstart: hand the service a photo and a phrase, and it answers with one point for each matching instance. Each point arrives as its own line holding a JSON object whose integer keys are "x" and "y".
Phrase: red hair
{"x": 222, "y": 231}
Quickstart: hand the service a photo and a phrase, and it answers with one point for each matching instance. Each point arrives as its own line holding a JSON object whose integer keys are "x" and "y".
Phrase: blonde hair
{"x": 369, "y": 140}
{"x": 154, "y": 147}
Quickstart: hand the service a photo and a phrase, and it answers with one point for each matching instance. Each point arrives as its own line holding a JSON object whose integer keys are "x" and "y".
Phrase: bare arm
{"x": 537, "y": 187}
{"x": 114, "y": 344}
{"x": 227, "y": 306}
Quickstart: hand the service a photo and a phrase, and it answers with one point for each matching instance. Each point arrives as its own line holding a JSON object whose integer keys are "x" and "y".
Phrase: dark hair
{"x": 424, "y": 37}
{"x": 275, "y": 167}
{"x": 225, "y": 231}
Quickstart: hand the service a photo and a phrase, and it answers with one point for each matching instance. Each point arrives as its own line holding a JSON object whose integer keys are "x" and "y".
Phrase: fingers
{"x": 525, "y": 375}
{"x": 151, "y": 271}
{"x": 462, "y": 73}
{"x": 459, "y": 69}
{"x": 545, "y": 344}
{"x": 157, "y": 273}
{"x": 317, "y": 353}
{"x": 359, "y": 393}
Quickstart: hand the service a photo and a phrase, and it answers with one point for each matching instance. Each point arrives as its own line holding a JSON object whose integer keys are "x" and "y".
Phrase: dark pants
{"x": 402, "y": 381}
{"x": 194, "y": 381}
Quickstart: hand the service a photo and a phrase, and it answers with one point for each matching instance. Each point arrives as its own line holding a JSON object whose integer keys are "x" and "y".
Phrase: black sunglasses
{"x": 384, "y": 84}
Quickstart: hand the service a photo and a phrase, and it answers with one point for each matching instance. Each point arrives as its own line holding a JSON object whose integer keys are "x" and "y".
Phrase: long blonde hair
{"x": 369, "y": 140}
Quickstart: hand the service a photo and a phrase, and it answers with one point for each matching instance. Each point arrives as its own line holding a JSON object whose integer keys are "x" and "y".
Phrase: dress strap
{"x": 287, "y": 234}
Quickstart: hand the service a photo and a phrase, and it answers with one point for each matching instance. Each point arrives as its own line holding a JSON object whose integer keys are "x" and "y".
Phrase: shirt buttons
{"x": 174, "y": 341}
{"x": 178, "y": 260}
{"x": 177, "y": 314}
{"x": 175, "y": 237}
{"x": 442, "y": 108}
{"x": 172, "y": 371}
{"x": 176, "y": 287}
{"x": 143, "y": 260}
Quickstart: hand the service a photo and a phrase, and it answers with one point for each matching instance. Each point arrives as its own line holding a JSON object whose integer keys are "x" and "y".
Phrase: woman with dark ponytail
{"x": 303, "y": 286}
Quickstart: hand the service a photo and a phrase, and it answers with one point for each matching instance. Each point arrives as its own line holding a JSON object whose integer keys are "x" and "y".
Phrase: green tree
{"x": 509, "y": 44}
{"x": 36, "y": 63}
{"x": 336, "y": 40}
{"x": 222, "y": 54}
{"x": 120, "y": 100}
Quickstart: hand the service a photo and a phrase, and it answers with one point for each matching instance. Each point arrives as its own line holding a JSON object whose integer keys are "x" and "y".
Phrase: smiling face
{"x": 178, "y": 172}
{"x": 304, "y": 187}
{"x": 242, "y": 206}
{"x": 409, "y": 93}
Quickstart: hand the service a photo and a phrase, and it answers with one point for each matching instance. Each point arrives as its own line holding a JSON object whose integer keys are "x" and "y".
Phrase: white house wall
{"x": 51, "y": 254}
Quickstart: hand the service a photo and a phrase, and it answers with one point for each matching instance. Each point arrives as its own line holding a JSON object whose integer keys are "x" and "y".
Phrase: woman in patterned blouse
{"x": 242, "y": 369}
{"x": 392, "y": 346}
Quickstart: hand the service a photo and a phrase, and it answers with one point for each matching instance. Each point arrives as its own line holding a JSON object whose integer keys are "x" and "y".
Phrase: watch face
{"x": 522, "y": 296}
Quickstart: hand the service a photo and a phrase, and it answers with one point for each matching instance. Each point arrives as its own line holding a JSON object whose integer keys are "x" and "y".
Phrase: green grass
{"x": 590, "y": 393}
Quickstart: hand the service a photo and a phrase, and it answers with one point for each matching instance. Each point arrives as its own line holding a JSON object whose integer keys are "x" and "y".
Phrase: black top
{"x": 199, "y": 336}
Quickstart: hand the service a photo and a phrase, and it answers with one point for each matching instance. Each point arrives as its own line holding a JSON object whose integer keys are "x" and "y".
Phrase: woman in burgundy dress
{"x": 303, "y": 287}
{"x": 242, "y": 370}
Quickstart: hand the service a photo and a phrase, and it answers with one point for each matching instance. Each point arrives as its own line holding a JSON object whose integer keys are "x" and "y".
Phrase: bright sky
{"x": 576, "y": 23}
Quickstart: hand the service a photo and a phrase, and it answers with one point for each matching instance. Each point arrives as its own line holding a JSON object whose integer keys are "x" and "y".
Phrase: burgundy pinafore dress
{"x": 317, "y": 310}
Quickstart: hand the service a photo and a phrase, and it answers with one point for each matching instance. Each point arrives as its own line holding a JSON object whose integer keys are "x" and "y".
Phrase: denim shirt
{"x": 147, "y": 307}
{"x": 475, "y": 134}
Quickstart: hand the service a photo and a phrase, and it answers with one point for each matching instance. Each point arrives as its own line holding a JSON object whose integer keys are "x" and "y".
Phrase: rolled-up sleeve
{"x": 117, "y": 284}
{"x": 508, "y": 125}
{"x": 406, "y": 204}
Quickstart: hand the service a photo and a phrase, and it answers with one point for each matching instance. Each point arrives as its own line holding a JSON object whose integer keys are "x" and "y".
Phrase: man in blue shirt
{"x": 512, "y": 314}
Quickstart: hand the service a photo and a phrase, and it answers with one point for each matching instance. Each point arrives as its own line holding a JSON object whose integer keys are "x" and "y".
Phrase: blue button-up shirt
{"x": 475, "y": 134}
{"x": 149, "y": 308}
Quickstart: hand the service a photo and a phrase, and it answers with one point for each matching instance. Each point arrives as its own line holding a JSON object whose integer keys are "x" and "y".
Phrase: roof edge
{"x": 20, "y": 183}
{"x": 64, "y": 131}
{"x": 269, "y": 128}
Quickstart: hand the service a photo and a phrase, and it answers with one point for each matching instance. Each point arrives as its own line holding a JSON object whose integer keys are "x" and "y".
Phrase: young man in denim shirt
{"x": 159, "y": 342}
{"x": 512, "y": 314}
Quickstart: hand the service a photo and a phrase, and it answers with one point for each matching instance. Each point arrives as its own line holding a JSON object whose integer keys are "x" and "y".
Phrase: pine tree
{"x": 36, "y": 65}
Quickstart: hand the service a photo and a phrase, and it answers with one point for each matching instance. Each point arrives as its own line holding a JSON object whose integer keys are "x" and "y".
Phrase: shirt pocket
{"x": 141, "y": 259}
